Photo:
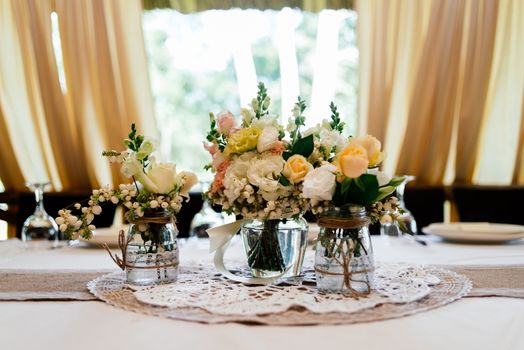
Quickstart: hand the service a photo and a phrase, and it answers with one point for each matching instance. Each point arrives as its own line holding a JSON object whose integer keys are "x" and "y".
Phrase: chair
{"x": 498, "y": 204}
{"x": 426, "y": 203}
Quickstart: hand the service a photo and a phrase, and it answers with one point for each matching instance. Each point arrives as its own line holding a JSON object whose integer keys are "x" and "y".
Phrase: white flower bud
{"x": 60, "y": 220}
{"x": 91, "y": 227}
{"x": 63, "y": 227}
{"x": 97, "y": 209}
{"x": 72, "y": 219}
{"x": 114, "y": 200}
{"x": 153, "y": 204}
{"x": 164, "y": 205}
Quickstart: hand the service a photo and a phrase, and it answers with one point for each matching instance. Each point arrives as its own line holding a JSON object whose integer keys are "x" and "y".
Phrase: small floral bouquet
{"x": 347, "y": 191}
{"x": 259, "y": 173}
{"x": 155, "y": 187}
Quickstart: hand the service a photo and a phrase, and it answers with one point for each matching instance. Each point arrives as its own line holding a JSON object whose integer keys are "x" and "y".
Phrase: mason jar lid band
{"x": 334, "y": 222}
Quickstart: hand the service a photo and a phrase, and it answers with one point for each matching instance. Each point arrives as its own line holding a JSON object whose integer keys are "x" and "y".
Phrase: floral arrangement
{"x": 155, "y": 186}
{"x": 347, "y": 173}
{"x": 258, "y": 172}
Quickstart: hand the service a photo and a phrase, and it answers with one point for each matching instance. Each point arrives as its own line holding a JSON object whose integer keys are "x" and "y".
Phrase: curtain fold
{"x": 390, "y": 38}
{"x": 22, "y": 102}
{"x": 501, "y": 150}
{"x": 106, "y": 68}
{"x": 52, "y": 135}
{"x": 478, "y": 48}
{"x": 433, "y": 104}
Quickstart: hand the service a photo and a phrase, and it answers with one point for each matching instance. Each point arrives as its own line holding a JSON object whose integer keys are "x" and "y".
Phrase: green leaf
{"x": 303, "y": 146}
{"x": 283, "y": 180}
{"x": 397, "y": 181}
{"x": 286, "y": 155}
{"x": 345, "y": 185}
{"x": 362, "y": 191}
{"x": 385, "y": 191}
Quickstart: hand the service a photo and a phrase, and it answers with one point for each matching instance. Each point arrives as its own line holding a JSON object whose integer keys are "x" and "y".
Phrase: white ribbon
{"x": 219, "y": 239}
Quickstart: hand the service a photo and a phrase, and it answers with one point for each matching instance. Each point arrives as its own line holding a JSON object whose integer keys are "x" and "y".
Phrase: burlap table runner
{"x": 18, "y": 284}
{"x": 500, "y": 281}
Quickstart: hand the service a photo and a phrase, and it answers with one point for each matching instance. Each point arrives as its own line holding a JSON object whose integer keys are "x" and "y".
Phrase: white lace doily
{"x": 202, "y": 295}
{"x": 201, "y": 287}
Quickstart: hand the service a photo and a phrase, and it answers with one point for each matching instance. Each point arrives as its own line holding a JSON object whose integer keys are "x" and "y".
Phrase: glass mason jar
{"x": 152, "y": 251}
{"x": 275, "y": 246}
{"x": 344, "y": 255}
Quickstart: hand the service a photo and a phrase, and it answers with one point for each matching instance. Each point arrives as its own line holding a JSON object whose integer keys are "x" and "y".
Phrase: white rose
{"x": 264, "y": 172}
{"x": 161, "y": 178}
{"x": 382, "y": 178}
{"x": 320, "y": 183}
{"x": 267, "y": 139}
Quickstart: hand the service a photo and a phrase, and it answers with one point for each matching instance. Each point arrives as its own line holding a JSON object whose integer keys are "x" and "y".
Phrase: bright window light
{"x": 212, "y": 60}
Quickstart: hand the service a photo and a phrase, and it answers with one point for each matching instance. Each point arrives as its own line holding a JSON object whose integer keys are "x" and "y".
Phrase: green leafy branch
{"x": 133, "y": 142}
{"x": 335, "y": 123}
{"x": 214, "y": 135}
{"x": 299, "y": 145}
{"x": 261, "y": 103}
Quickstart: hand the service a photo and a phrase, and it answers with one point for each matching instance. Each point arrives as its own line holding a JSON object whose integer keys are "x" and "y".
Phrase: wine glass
{"x": 40, "y": 226}
{"x": 410, "y": 224}
{"x": 205, "y": 218}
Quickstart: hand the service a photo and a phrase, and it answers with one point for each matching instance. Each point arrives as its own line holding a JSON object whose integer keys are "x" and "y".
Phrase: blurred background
{"x": 440, "y": 82}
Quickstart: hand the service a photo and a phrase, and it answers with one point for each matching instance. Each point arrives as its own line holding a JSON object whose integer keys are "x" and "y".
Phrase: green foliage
{"x": 335, "y": 123}
{"x": 363, "y": 190}
{"x": 261, "y": 102}
{"x": 214, "y": 135}
{"x": 303, "y": 146}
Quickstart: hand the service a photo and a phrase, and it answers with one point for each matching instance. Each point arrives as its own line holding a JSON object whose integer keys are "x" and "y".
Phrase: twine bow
{"x": 123, "y": 242}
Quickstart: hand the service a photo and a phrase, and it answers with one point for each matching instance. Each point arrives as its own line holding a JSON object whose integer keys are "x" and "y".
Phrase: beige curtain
{"x": 449, "y": 92}
{"x": 106, "y": 71}
{"x": 22, "y": 99}
{"x": 501, "y": 150}
{"x": 390, "y": 38}
{"x": 50, "y": 134}
{"x": 433, "y": 103}
{"x": 518, "y": 172}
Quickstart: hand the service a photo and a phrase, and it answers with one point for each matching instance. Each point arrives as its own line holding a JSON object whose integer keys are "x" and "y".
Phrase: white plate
{"x": 107, "y": 235}
{"x": 480, "y": 232}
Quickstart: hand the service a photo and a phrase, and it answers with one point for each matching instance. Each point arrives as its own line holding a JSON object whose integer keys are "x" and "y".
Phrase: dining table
{"x": 487, "y": 322}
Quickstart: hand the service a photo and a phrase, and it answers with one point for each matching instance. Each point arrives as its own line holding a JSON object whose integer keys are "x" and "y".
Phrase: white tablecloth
{"x": 470, "y": 323}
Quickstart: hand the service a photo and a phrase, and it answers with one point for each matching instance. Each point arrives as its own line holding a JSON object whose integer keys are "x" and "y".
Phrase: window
{"x": 211, "y": 61}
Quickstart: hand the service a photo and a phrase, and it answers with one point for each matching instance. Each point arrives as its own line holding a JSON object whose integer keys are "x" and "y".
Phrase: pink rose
{"x": 226, "y": 123}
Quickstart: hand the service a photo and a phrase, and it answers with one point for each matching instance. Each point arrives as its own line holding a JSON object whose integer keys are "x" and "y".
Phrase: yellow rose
{"x": 352, "y": 161}
{"x": 242, "y": 141}
{"x": 372, "y": 146}
{"x": 296, "y": 168}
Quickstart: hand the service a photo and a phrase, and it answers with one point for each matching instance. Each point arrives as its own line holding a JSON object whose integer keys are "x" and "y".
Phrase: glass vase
{"x": 152, "y": 251}
{"x": 344, "y": 260}
{"x": 275, "y": 246}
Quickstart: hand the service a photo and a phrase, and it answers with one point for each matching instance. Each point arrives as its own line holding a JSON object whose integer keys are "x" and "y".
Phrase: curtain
{"x": 390, "y": 38}
{"x": 28, "y": 157}
{"x": 52, "y": 135}
{"x": 106, "y": 70}
{"x": 477, "y": 54}
{"x": 501, "y": 151}
{"x": 442, "y": 86}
